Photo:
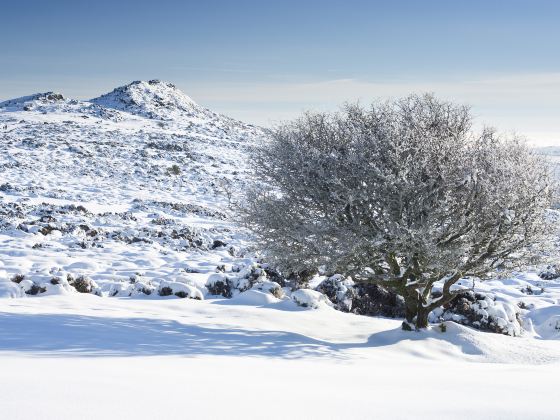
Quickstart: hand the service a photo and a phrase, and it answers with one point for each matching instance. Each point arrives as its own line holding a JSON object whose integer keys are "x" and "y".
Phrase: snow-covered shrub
{"x": 139, "y": 285}
{"x": 28, "y": 287}
{"x": 340, "y": 291}
{"x": 132, "y": 287}
{"x": 18, "y": 278}
{"x": 174, "y": 170}
{"x": 35, "y": 289}
{"x": 179, "y": 289}
{"x": 299, "y": 279}
{"x": 165, "y": 291}
{"x": 477, "y": 310}
{"x": 363, "y": 299}
{"x": 243, "y": 278}
{"x": 269, "y": 287}
{"x": 274, "y": 275}
{"x": 309, "y": 298}
{"x": 142, "y": 287}
{"x": 217, "y": 243}
{"x": 528, "y": 290}
{"x": 480, "y": 311}
{"x": 550, "y": 328}
{"x": 82, "y": 284}
{"x": 551, "y": 272}
{"x": 375, "y": 300}
{"x": 220, "y": 285}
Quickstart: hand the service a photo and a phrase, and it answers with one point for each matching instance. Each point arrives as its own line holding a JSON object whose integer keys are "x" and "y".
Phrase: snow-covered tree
{"x": 403, "y": 194}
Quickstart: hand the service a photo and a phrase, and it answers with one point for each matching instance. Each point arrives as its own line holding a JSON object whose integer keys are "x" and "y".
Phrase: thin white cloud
{"x": 526, "y": 103}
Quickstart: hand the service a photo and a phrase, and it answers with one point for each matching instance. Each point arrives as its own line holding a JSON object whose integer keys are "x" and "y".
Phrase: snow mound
{"x": 270, "y": 287}
{"x": 254, "y": 297}
{"x": 545, "y": 322}
{"x": 152, "y": 99}
{"x": 179, "y": 289}
{"x": 310, "y": 299}
{"x": 9, "y": 289}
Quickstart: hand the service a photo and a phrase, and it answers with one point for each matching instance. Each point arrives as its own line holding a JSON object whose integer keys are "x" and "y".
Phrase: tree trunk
{"x": 409, "y": 315}
{"x": 416, "y": 316}
{"x": 422, "y": 318}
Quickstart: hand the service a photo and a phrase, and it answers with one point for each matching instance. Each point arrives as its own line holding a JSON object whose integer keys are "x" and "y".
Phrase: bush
{"x": 362, "y": 299}
{"x": 18, "y": 278}
{"x": 375, "y": 300}
{"x": 551, "y": 272}
{"x": 219, "y": 285}
{"x": 174, "y": 170}
{"x": 82, "y": 284}
{"x": 340, "y": 291}
{"x": 35, "y": 289}
{"x": 254, "y": 276}
{"x": 480, "y": 311}
{"x": 269, "y": 287}
{"x": 165, "y": 291}
{"x": 180, "y": 289}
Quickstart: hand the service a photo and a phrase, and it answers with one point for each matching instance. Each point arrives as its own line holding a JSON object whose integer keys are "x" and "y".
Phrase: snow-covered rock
{"x": 269, "y": 287}
{"x": 309, "y": 298}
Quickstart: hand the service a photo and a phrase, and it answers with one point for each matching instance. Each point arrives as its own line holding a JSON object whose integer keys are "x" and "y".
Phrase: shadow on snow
{"x": 59, "y": 335}
{"x": 64, "y": 335}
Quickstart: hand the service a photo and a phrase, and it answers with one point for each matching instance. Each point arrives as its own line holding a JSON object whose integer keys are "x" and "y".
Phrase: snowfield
{"x": 128, "y": 199}
{"x": 68, "y": 357}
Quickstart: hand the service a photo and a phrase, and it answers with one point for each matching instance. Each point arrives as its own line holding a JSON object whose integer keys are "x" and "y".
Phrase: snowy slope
{"x": 134, "y": 190}
{"x": 110, "y": 193}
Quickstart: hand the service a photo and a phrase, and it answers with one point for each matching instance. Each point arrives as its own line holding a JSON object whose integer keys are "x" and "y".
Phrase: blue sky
{"x": 265, "y": 61}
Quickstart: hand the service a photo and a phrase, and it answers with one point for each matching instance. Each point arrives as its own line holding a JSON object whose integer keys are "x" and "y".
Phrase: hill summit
{"x": 152, "y": 99}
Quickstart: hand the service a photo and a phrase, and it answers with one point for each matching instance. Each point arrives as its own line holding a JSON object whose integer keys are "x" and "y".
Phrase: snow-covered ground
{"x": 81, "y": 356}
{"x": 129, "y": 197}
{"x": 92, "y": 190}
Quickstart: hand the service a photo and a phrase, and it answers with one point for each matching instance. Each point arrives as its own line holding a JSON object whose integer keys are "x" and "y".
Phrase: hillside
{"x": 112, "y": 191}
{"x": 128, "y": 198}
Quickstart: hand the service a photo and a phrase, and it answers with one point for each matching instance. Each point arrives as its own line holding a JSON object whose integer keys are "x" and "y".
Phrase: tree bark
{"x": 422, "y": 319}
{"x": 411, "y": 310}
{"x": 416, "y": 315}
